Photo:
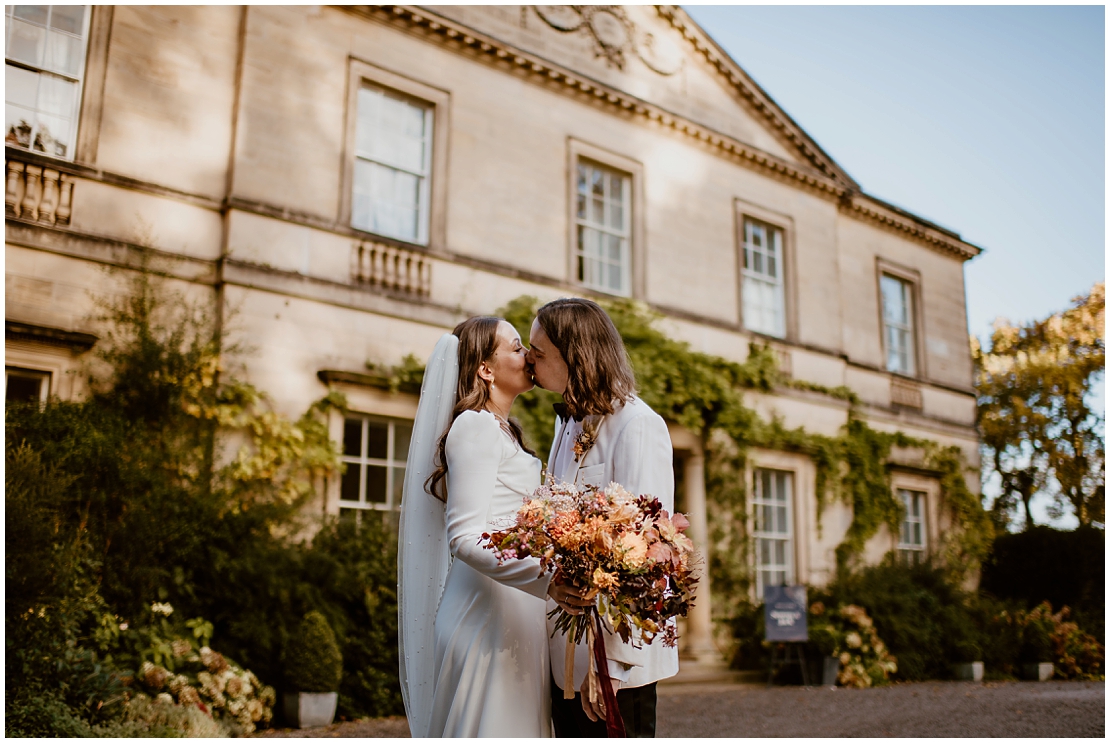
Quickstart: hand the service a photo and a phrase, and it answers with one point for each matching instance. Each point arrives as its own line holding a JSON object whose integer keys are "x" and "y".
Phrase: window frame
{"x": 438, "y": 101}
{"x": 784, "y": 223}
{"x": 790, "y": 569}
{"x": 46, "y": 377}
{"x": 579, "y": 151}
{"x": 912, "y": 279}
{"x": 362, "y": 461}
{"x": 919, "y": 551}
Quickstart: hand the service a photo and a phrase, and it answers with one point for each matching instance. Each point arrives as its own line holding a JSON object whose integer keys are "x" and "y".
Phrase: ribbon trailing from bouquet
{"x": 614, "y": 725}
{"x": 597, "y": 675}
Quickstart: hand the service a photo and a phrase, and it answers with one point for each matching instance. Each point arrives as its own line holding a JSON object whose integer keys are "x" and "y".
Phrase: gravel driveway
{"x": 931, "y": 709}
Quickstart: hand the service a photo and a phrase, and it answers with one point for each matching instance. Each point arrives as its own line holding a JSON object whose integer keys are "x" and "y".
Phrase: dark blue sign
{"x": 784, "y": 613}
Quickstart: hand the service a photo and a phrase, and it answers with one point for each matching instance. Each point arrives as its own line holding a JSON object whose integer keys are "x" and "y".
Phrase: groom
{"x": 604, "y": 433}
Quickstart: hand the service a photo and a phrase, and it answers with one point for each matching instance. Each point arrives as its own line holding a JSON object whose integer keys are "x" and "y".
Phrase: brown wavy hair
{"x": 599, "y": 374}
{"x": 477, "y": 343}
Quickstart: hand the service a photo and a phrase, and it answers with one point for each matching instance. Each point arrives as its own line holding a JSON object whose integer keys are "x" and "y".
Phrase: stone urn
{"x": 830, "y": 669}
{"x": 970, "y": 671}
{"x": 1037, "y": 671}
{"x": 307, "y": 709}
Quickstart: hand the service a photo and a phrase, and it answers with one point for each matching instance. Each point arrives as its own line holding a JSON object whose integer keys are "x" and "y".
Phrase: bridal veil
{"x": 422, "y": 555}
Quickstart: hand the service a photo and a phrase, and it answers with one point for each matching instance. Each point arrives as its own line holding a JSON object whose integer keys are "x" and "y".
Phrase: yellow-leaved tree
{"x": 1041, "y": 432}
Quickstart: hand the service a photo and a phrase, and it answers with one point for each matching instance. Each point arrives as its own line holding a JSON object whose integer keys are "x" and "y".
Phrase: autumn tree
{"x": 1040, "y": 432}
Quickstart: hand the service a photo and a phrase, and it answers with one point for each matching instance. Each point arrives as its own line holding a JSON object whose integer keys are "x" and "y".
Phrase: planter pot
{"x": 304, "y": 709}
{"x": 830, "y": 668}
{"x": 970, "y": 671}
{"x": 1037, "y": 671}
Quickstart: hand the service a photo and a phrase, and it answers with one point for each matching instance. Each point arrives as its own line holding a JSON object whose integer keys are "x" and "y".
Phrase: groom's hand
{"x": 572, "y": 600}
{"x": 595, "y": 710}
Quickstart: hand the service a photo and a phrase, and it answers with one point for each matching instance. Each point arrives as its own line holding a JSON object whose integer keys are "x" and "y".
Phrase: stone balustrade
{"x": 905, "y": 393}
{"x": 391, "y": 268}
{"x": 38, "y": 193}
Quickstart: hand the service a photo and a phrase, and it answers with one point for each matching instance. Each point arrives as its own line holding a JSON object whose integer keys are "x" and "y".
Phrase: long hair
{"x": 599, "y": 373}
{"x": 477, "y": 343}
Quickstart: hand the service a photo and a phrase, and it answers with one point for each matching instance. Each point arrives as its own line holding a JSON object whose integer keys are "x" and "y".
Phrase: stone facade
{"x": 220, "y": 140}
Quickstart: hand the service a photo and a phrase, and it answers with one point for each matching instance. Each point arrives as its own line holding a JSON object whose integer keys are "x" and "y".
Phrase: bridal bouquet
{"x": 625, "y": 549}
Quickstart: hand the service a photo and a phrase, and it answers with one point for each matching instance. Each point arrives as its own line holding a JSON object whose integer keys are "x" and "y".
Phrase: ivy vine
{"x": 705, "y": 394}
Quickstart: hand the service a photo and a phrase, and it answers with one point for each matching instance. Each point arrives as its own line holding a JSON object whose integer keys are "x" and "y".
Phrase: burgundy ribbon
{"x": 614, "y": 725}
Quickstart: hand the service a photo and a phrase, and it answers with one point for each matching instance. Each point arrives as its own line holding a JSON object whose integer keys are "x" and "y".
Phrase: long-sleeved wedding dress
{"x": 492, "y": 668}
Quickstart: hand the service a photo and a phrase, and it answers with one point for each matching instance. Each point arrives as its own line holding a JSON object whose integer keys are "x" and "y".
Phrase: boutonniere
{"x": 585, "y": 441}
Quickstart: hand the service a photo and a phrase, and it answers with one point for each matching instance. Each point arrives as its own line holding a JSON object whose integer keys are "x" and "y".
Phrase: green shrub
{"x": 1065, "y": 568}
{"x": 747, "y": 624}
{"x": 925, "y": 619}
{"x": 312, "y": 659}
{"x": 1036, "y": 643}
{"x": 31, "y": 711}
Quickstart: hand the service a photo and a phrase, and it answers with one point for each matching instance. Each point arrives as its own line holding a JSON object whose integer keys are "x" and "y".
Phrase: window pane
{"x": 23, "y": 389}
{"x": 27, "y": 43}
{"x": 63, "y": 53}
{"x": 764, "y": 551}
{"x": 398, "y": 485}
{"x": 21, "y": 86}
{"x": 917, "y": 540}
{"x": 780, "y": 552}
{"x": 52, "y": 136}
{"x": 349, "y": 487}
{"x": 894, "y": 304}
{"x": 57, "y": 96}
{"x": 616, "y": 215}
{"x": 781, "y": 521}
{"x": 377, "y": 440}
{"x": 375, "y": 484}
{"x": 402, "y": 432}
{"x": 70, "y": 18}
{"x": 614, "y": 249}
{"x": 352, "y": 437}
{"x": 18, "y": 123}
{"x": 33, "y": 13}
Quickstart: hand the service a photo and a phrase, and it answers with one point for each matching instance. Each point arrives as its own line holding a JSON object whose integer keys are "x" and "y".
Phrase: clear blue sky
{"x": 989, "y": 120}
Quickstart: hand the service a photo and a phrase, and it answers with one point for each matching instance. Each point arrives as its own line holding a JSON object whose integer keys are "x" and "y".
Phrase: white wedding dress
{"x": 491, "y": 663}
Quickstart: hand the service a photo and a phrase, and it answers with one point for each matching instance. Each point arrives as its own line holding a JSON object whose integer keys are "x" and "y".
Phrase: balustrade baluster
{"x": 13, "y": 197}
{"x": 33, "y": 194}
{"x": 49, "y": 201}
{"x": 65, "y": 199}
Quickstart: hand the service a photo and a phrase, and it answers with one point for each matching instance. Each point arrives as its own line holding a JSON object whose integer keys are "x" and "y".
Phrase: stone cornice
{"x": 41, "y": 334}
{"x": 870, "y": 209}
{"x": 825, "y": 177}
{"x": 461, "y": 38}
{"x": 755, "y": 96}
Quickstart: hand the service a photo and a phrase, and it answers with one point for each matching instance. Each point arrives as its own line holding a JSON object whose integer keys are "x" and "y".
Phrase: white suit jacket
{"x": 633, "y": 448}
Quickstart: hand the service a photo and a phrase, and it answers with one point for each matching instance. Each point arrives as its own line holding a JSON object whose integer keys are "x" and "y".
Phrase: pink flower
{"x": 660, "y": 552}
{"x": 680, "y": 522}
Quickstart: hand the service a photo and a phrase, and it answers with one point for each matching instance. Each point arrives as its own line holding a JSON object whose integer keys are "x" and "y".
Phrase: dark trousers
{"x": 637, "y": 708}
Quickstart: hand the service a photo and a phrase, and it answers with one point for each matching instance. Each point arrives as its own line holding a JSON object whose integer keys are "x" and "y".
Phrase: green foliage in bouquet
{"x": 312, "y": 659}
{"x": 847, "y": 632}
{"x": 623, "y": 548}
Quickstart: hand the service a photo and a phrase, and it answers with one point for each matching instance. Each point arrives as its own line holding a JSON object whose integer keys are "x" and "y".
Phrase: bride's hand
{"x": 571, "y": 598}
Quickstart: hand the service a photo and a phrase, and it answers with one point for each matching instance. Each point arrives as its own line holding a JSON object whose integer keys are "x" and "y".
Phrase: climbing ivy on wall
{"x": 705, "y": 394}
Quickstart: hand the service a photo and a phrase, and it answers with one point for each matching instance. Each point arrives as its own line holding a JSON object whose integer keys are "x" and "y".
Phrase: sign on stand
{"x": 784, "y": 613}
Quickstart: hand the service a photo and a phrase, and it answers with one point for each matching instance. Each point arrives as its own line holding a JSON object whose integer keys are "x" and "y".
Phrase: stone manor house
{"x": 353, "y": 181}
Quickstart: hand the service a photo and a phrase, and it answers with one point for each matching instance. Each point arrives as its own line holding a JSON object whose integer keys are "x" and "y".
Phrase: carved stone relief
{"x": 614, "y": 35}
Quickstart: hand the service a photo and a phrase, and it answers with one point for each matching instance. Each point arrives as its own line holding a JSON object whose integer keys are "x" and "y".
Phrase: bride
{"x": 472, "y": 633}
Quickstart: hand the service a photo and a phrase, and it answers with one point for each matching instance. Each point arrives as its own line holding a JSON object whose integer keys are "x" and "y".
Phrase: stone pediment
{"x": 659, "y": 55}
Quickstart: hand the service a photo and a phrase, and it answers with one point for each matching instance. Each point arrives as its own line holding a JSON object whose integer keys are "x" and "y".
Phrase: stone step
{"x": 693, "y": 673}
